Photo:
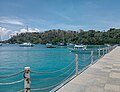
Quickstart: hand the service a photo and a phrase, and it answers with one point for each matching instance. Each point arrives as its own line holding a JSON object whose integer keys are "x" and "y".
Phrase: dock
{"x": 103, "y": 76}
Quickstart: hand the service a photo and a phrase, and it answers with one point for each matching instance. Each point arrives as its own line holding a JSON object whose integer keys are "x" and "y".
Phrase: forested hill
{"x": 112, "y": 36}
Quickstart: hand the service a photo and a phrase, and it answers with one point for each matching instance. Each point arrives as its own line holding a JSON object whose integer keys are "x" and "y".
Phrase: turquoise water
{"x": 41, "y": 59}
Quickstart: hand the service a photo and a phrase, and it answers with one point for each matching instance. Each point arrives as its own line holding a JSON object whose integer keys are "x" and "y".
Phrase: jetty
{"x": 103, "y": 76}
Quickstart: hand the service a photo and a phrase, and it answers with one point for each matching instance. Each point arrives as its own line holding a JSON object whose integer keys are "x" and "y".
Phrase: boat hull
{"x": 26, "y": 45}
{"x": 51, "y": 47}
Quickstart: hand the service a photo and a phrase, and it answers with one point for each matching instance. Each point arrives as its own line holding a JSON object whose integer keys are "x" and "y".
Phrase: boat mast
{"x": 63, "y": 38}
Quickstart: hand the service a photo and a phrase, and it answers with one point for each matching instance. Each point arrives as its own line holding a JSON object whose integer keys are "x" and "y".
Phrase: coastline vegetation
{"x": 90, "y": 37}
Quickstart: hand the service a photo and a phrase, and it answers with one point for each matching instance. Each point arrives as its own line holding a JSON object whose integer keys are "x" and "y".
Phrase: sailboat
{"x": 26, "y": 44}
{"x": 62, "y": 44}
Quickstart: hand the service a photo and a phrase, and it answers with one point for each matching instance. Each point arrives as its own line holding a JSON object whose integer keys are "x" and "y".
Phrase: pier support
{"x": 76, "y": 64}
{"x": 27, "y": 79}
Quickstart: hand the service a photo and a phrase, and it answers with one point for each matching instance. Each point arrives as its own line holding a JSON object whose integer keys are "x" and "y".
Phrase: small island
{"x": 55, "y": 36}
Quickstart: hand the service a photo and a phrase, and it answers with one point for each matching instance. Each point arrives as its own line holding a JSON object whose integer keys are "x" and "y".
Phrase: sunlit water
{"x": 41, "y": 59}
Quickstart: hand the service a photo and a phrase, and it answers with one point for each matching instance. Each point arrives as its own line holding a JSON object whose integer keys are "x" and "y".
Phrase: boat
{"x": 49, "y": 45}
{"x": 62, "y": 44}
{"x": 0, "y": 41}
{"x": 26, "y": 44}
{"x": 108, "y": 45}
{"x": 70, "y": 45}
{"x": 79, "y": 48}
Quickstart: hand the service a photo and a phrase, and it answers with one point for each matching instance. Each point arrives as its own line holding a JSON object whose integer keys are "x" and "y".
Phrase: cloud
{"x": 30, "y": 30}
{"x": 9, "y": 20}
{"x": 63, "y": 16}
{"x": 66, "y": 26}
{"x": 110, "y": 22}
{"x": 3, "y": 31}
{"x": 7, "y": 33}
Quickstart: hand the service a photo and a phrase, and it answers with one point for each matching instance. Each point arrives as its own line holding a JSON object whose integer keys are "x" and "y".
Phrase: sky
{"x": 41, "y": 15}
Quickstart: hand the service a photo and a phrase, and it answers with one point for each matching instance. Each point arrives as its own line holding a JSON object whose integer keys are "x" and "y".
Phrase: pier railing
{"x": 71, "y": 70}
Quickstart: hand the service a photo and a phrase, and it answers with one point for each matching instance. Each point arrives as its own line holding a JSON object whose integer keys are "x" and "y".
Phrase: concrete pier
{"x": 103, "y": 76}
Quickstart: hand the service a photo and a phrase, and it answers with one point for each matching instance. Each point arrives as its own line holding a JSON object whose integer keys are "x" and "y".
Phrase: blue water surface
{"x": 13, "y": 59}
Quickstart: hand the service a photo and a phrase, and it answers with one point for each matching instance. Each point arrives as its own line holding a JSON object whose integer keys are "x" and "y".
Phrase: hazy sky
{"x": 58, "y": 14}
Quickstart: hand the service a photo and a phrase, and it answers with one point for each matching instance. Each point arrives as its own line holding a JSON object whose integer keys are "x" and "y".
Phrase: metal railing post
{"x": 27, "y": 79}
{"x": 99, "y": 52}
{"x": 106, "y": 50}
{"x": 76, "y": 64}
{"x": 110, "y": 48}
{"x": 103, "y": 51}
{"x": 91, "y": 57}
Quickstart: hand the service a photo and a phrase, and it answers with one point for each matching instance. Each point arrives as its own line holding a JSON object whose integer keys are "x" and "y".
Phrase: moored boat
{"x": 79, "y": 48}
{"x": 0, "y": 44}
{"x": 70, "y": 45}
{"x": 26, "y": 44}
{"x": 49, "y": 45}
{"x": 62, "y": 44}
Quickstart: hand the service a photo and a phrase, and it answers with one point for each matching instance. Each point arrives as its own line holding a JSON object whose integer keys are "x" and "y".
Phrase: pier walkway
{"x": 103, "y": 76}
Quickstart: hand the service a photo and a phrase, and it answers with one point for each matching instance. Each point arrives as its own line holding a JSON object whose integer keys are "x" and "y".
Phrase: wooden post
{"x": 76, "y": 64}
{"x": 27, "y": 79}
{"x": 91, "y": 57}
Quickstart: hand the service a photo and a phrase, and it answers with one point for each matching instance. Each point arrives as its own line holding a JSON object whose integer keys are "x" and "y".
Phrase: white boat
{"x": 78, "y": 48}
{"x": 49, "y": 45}
{"x": 26, "y": 44}
{"x": 70, "y": 45}
{"x": 0, "y": 44}
{"x": 0, "y": 40}
{"x": 62, "y": 44}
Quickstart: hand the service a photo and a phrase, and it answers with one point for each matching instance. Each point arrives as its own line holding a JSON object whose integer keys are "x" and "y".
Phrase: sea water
{"x": 13, "y": 59}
